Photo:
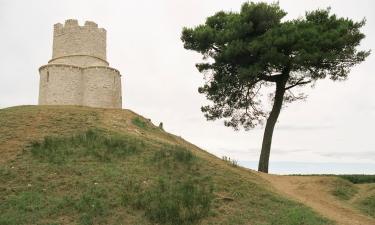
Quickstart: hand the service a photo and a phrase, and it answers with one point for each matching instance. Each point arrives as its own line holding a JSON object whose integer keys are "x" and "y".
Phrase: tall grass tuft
{"x": 173, "y": 154}
{"x": 93, "y": 143}
{"x": 367, "y": 205}
{"x": 185, "y": 202}
{"x": 140, "y": 123}
{"x": 344, "y": 189}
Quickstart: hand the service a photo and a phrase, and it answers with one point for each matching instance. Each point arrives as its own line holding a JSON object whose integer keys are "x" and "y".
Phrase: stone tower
{"x": 78, "y": 73}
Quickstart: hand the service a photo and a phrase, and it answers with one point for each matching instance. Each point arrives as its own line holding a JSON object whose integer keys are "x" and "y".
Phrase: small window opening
{"x": 47, "y": 76}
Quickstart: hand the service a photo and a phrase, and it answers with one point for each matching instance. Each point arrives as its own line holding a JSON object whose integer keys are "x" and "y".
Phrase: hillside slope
{"x": 79, "y": 165}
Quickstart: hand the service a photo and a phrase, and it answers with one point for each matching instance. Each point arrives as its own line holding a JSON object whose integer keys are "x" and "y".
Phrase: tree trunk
{"x": 270, "y": 125}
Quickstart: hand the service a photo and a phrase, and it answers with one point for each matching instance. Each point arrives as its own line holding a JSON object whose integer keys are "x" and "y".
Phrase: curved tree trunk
{"x": 270, "y": 125}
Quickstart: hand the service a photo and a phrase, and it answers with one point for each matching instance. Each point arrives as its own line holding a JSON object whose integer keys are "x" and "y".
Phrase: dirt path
{"x": 314, "y": 192}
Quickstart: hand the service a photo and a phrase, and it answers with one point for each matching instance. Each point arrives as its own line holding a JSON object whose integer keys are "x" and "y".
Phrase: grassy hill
{"x": 79, "y": 165}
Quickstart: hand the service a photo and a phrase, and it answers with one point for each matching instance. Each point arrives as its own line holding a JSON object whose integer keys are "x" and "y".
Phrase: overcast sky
{"x": 335, "y": 123}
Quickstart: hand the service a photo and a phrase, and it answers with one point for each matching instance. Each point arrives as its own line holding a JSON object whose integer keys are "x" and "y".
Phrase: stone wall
{"x": 78, "y": 73}
{"x": 60, "y": 85}
{"x": 102, "y": 87}
{"x": 72, "y": 39}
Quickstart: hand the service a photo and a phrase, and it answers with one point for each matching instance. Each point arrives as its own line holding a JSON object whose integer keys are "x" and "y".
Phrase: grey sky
{"x": 160, "y": 80}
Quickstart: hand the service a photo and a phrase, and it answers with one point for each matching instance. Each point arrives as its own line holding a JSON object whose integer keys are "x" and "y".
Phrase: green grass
{"x": 367, "y": 206}
{"x": 16, "y": 207}
{"x": 92, "y": 143}
{"x": 166, "y": 202}
{"x": 174, "y": 199}
{"x": 140, "y": 123}
{"x": 168, "y": 155}
{"x": 92, "y": 206}
{"x": 107, "y": 174}
{"x": 343, "y": 189}
{"x": 6, "y": 174}
{"x": 297, "y": 216}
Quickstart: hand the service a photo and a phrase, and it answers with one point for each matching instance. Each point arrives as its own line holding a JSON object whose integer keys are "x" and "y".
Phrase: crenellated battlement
{"x": 72, "y": 25}
{"x": 71, "y": 39}
{"x": 91, "y": 24}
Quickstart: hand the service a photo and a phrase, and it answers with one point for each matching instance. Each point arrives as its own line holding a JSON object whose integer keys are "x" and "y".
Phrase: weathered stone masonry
{"x": 78, "y": 73}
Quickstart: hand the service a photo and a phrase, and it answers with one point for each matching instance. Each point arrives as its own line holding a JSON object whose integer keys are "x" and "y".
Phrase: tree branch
{"x": 300, "y": 82}
{"x": 215, "y": 48}
{"x": 271, "y": 78}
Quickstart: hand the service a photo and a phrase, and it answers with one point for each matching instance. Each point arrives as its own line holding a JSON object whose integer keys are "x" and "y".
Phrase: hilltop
{"x": 80, "y": 165}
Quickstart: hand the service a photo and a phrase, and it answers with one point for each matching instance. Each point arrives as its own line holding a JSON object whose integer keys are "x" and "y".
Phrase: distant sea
{"x": 314, "y": 168}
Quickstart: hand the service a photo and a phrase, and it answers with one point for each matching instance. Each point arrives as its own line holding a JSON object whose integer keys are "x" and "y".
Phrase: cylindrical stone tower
{"x": 78, "y": 73}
